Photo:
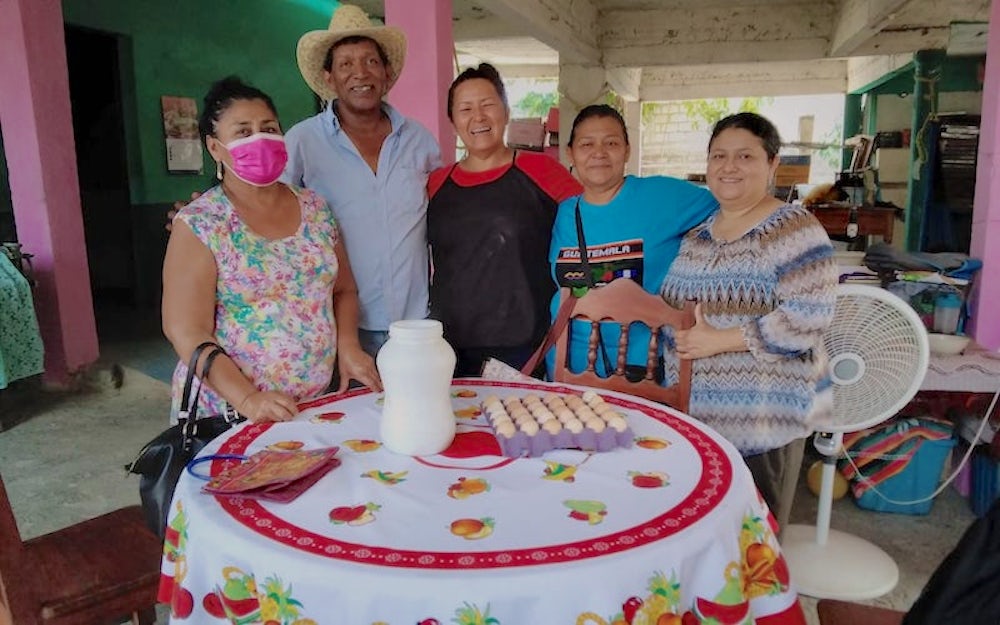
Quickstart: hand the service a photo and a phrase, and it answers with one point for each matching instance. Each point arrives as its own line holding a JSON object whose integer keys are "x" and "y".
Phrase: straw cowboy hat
{"x": 347, "y": 21}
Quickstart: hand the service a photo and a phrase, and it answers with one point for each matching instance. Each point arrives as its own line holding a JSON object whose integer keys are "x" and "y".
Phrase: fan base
{"x": 846, "y": 567}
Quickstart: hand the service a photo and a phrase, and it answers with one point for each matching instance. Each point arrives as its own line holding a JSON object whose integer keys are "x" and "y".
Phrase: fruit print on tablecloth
{"x": 465, "y": 487}
{"x": 388, "y": 478}
{"x": 354, "y": 515}
{"x": 651, "y": 442}
{"x": 589, "y": 510}
{"x": 559, "y": 472}
{"x": 470, "y": 412}
{"x": 171, "y": 589}
{"x": 329, "y": 418}
{"x": 648, "y": 479}
{"x": 362, "y": 445}
{"x": 238, "y": 599}
{"x": 286, "y": 446}
{"x": 764, "y": 570}
{"x": 470, "y": 614}
{"x": 472, "y": 529}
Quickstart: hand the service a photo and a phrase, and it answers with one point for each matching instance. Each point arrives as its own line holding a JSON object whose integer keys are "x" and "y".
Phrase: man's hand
{"x": 177, "y": 206}
{"x": 354, "y": 364}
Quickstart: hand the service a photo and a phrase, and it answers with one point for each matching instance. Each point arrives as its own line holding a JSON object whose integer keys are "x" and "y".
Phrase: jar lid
{"x": 949, "y": 298}
{"x": 416, "y": 328}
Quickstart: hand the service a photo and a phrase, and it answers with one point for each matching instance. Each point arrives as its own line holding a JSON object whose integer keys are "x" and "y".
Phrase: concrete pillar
{"x": 422, "y": 89}
{"x": 41, "y": 160}
{"x": 986, "y": 212}
{"x": 579, "y": 86}
{"x": 633, "y": 122}
{"x": 853, "y": 117}
{"x": 927, "y": 69}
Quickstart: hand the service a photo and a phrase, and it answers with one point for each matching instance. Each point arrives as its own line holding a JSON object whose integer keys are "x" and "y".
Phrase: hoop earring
{"x": 218, "y": 169}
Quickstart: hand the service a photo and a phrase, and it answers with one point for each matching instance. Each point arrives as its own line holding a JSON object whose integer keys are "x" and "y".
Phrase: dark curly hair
{"x": 220, "y": 97}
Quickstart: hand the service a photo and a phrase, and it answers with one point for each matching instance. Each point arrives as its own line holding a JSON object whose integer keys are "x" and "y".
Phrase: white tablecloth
{"x": 670, "y": 525}
{"x": 977, "y": 370}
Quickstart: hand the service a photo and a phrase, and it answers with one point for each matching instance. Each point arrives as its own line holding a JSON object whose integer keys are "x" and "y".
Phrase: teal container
{"x": 918, "y": 480}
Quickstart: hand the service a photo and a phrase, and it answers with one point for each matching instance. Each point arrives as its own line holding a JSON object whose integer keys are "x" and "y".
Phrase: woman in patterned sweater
{"x": 764, "y": 277}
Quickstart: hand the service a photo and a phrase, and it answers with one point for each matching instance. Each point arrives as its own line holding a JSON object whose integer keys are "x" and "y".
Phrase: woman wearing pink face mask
{"x": 258, "y": 267}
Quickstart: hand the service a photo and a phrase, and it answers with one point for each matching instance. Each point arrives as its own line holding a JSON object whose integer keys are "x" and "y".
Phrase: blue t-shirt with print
{"x": 636, "y": 235}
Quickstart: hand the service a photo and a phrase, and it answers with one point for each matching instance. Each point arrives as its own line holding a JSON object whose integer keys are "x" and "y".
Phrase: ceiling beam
{"x": 865, "y": 72}
{"x": 792, "y": 30}
{"x": 860, "y": 21}
{"x": 567, "y": 26}
{"x": 744, "y": 79}
{"x": 907, "y": 39}
{"x": 625, "y": 81}
{"x": 483, "y": 27}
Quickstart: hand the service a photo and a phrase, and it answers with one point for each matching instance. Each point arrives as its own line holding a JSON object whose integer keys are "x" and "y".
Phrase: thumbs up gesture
{"x": 703, "y": 339}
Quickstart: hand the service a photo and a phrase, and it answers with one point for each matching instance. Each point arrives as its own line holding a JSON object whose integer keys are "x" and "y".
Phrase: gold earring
{"x": 218, "y": 169}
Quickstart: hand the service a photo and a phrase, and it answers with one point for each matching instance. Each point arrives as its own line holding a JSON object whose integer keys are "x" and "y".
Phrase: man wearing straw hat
{"x": 369, "y": 162}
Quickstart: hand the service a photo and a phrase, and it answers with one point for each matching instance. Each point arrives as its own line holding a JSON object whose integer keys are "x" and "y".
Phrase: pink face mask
{"x": 258, "y": 159}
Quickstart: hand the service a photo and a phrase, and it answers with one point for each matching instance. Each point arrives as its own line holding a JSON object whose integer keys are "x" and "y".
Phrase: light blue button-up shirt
{"x": 382, "y": 217}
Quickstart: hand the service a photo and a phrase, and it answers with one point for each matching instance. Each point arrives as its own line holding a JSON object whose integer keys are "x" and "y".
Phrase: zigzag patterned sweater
{"x": 777, "y": 283}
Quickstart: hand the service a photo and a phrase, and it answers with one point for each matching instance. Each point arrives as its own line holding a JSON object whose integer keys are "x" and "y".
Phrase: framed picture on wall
{"x": 180, "y": 131}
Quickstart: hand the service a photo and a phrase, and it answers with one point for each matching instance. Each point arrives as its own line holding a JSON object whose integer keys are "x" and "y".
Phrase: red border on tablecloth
{"x": 711, "y": 488}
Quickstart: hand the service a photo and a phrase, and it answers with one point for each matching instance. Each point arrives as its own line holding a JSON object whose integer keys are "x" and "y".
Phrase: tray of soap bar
{"x": 532, "y": 425}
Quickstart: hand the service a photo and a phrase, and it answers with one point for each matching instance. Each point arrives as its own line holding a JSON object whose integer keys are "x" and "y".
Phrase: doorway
{"x": 128, "y": 330}
{"x": 98, "y": 129}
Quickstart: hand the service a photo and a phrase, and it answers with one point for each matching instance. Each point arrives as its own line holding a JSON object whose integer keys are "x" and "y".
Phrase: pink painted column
{"x": 41, "y": 160}
{"x": 986, "y": 214}
{"x": 422, "y": 89}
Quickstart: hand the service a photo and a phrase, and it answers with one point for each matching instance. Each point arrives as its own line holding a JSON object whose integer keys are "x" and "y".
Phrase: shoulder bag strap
{"x": 189, "y": 379}
{"x": 557, "y": 327}
{"x": 212, "y": 355}
{"x": 190, "y": 425}
{"x": 589, "y": 277}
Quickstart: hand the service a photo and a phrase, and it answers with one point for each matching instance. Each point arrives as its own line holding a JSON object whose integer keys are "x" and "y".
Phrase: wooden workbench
{"x": 871, "y": 220}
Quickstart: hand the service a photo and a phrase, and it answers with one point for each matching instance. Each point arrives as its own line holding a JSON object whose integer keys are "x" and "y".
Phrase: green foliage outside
{"x": 535, "y": 104}
{"x": 704, "y": 113}
{"x": 832, "y": 153}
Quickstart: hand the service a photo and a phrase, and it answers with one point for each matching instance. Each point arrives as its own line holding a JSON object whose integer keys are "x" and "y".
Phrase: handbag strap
{"x": 558, "y": 325}
{"x": 588, "y": 276}
{"x": 212, "y": 355}
{"x": 187, "y": 411}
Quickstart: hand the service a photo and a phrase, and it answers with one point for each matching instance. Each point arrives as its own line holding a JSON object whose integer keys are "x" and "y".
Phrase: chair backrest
{"x": 13, "y": 565}
{"x": 624, "y": 302}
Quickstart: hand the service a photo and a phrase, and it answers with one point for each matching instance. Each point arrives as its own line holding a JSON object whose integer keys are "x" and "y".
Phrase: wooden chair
{"x": 624, "y": 302}
{"x": 836, "y": 612}
{"x": 90, "y": 573}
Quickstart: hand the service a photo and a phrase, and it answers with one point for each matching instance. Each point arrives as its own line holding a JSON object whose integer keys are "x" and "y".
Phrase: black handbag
{"x": 161, "y": 461}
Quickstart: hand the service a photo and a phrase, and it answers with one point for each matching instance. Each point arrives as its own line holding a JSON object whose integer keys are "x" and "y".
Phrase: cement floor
{"x": 62, "y": 463}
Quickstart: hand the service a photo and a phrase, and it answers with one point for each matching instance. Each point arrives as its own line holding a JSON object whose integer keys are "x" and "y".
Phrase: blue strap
{"x": 201, "y": 476}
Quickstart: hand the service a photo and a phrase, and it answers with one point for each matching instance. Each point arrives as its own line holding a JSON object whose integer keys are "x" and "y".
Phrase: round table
{"x": 669, "y": 529}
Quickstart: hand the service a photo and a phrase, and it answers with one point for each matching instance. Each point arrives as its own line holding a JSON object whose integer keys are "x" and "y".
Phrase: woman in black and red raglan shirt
{"x": 489, "y": 223}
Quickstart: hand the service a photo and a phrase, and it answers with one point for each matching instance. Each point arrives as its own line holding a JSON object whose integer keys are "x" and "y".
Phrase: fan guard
{"x": 878, "y": 356}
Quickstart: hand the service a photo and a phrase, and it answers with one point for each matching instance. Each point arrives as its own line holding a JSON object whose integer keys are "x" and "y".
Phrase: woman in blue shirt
{"x": 632, "y": 226}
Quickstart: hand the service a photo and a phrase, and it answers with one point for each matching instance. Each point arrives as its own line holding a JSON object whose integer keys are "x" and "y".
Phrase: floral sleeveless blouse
{"x": 273, "y": 298}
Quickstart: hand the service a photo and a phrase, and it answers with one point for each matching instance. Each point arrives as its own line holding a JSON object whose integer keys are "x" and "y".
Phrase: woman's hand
{"x": 263, "y": 406}
{"x": 703, "y": 339}
{"x": 355, "y": 364}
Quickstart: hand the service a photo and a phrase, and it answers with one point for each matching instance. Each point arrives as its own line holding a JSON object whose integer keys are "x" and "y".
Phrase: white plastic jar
{"x": 416, "y": 365}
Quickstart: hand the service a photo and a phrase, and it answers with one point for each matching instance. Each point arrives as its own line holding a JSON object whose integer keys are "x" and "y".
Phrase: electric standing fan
{"x": 878, "y": 356}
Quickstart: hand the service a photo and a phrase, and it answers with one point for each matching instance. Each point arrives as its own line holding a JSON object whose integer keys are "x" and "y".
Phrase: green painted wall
{"x": 960, "y": 73}
{"x": 179, "y": 47}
